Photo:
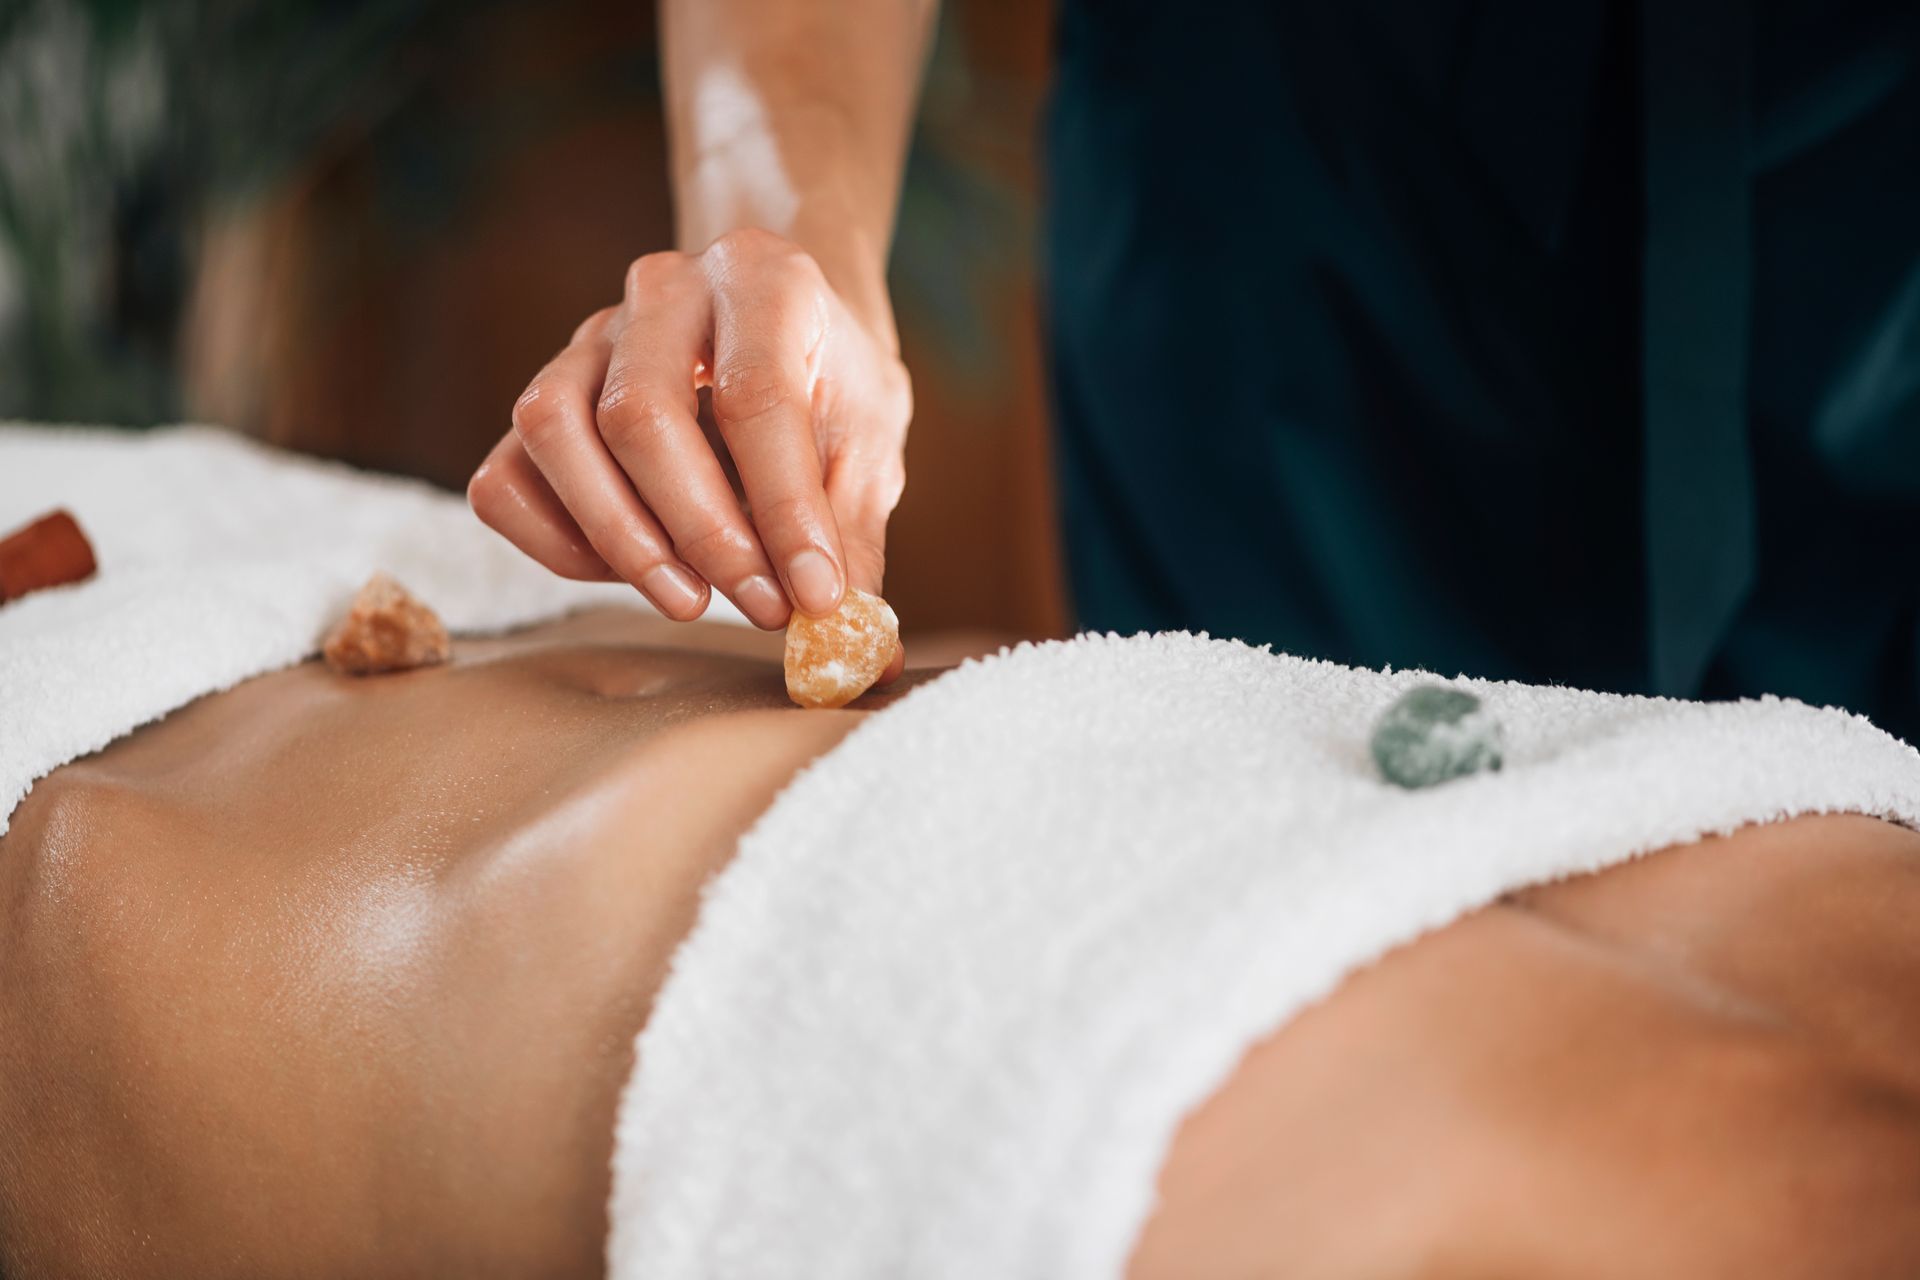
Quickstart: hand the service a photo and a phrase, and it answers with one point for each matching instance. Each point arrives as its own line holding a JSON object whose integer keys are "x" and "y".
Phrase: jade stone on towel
{"x": 1433, "y": 733}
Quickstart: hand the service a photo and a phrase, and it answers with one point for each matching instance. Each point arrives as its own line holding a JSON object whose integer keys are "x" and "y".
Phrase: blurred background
{"x": 358, "y": 229}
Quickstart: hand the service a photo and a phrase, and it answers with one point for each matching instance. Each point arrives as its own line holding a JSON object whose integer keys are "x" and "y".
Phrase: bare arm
{"x": 794, "y": 118}
{"x": 788, "y": 123}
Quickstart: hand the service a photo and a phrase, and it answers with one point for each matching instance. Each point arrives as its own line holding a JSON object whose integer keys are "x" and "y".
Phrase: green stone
{"x": 1433, "y": 733}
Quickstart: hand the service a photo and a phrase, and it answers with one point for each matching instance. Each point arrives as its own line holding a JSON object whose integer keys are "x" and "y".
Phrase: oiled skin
{"x": 1702, "y": 1064}
{"x": 326, "y": 977}
{"x": 338, "y": 977}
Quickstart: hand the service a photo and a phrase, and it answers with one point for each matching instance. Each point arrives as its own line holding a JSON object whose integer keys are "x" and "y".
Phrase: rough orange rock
{"x": 50, "y": 552}
{"x": 386, "y": 629}
{"x": 833, "y": 660}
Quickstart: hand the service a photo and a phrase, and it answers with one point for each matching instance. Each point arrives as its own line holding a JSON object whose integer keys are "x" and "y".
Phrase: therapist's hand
{"x": 608, "y": 472}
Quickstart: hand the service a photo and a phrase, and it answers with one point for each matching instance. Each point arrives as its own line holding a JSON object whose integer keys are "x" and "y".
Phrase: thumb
{"x": 862, "y": 510}
{"x": 865, "y": 549}
{"x": 863, "y": 498}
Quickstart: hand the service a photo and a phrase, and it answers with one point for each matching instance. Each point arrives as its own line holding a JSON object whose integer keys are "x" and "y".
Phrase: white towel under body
{"x": 944, "y": 1013}
{"x": 221, "y": 559}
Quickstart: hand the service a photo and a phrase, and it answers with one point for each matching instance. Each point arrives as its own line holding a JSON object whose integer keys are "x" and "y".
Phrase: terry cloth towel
{"x": 220, "y": 559}
{"x": 943, "y": 1014}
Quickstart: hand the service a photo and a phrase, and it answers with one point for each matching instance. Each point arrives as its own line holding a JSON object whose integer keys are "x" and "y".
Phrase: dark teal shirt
{"x": 1574, "y": 342}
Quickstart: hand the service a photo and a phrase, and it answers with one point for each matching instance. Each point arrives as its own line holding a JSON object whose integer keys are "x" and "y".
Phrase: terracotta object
{"x": 50, "y": 552}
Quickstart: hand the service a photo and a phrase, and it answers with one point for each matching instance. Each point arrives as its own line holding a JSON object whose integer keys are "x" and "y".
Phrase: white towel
{"x": 221, "y": 559}
{"x": 943, "y": 1014}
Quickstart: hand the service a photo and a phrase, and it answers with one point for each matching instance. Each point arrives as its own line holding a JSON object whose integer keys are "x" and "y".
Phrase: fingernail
{"x": 762, "y": 600}
{"x": 672, "y": 592}
{"x": 815, "y": 582}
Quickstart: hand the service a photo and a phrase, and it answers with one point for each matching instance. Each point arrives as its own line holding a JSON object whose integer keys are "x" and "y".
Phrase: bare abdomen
{"x": 1706, "y": 1063}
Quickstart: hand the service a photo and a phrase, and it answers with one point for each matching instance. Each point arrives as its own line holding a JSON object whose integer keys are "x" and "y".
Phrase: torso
{"x": 1702, "y": 1063}
{"x": 393, "y": 934}
{"x": 330, "y": 977}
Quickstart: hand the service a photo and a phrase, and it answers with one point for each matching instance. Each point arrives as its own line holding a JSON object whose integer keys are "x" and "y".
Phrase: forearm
{"x": 794, "y": 117}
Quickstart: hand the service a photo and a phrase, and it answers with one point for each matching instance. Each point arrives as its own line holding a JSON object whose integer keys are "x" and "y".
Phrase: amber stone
{"x": 833, "y": 660}
{"x": 386, "y": 629}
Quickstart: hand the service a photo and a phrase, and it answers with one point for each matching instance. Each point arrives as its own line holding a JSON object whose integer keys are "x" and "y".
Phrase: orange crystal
{"x": 386, "y": 630}
{"x": 833, "y": 660}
